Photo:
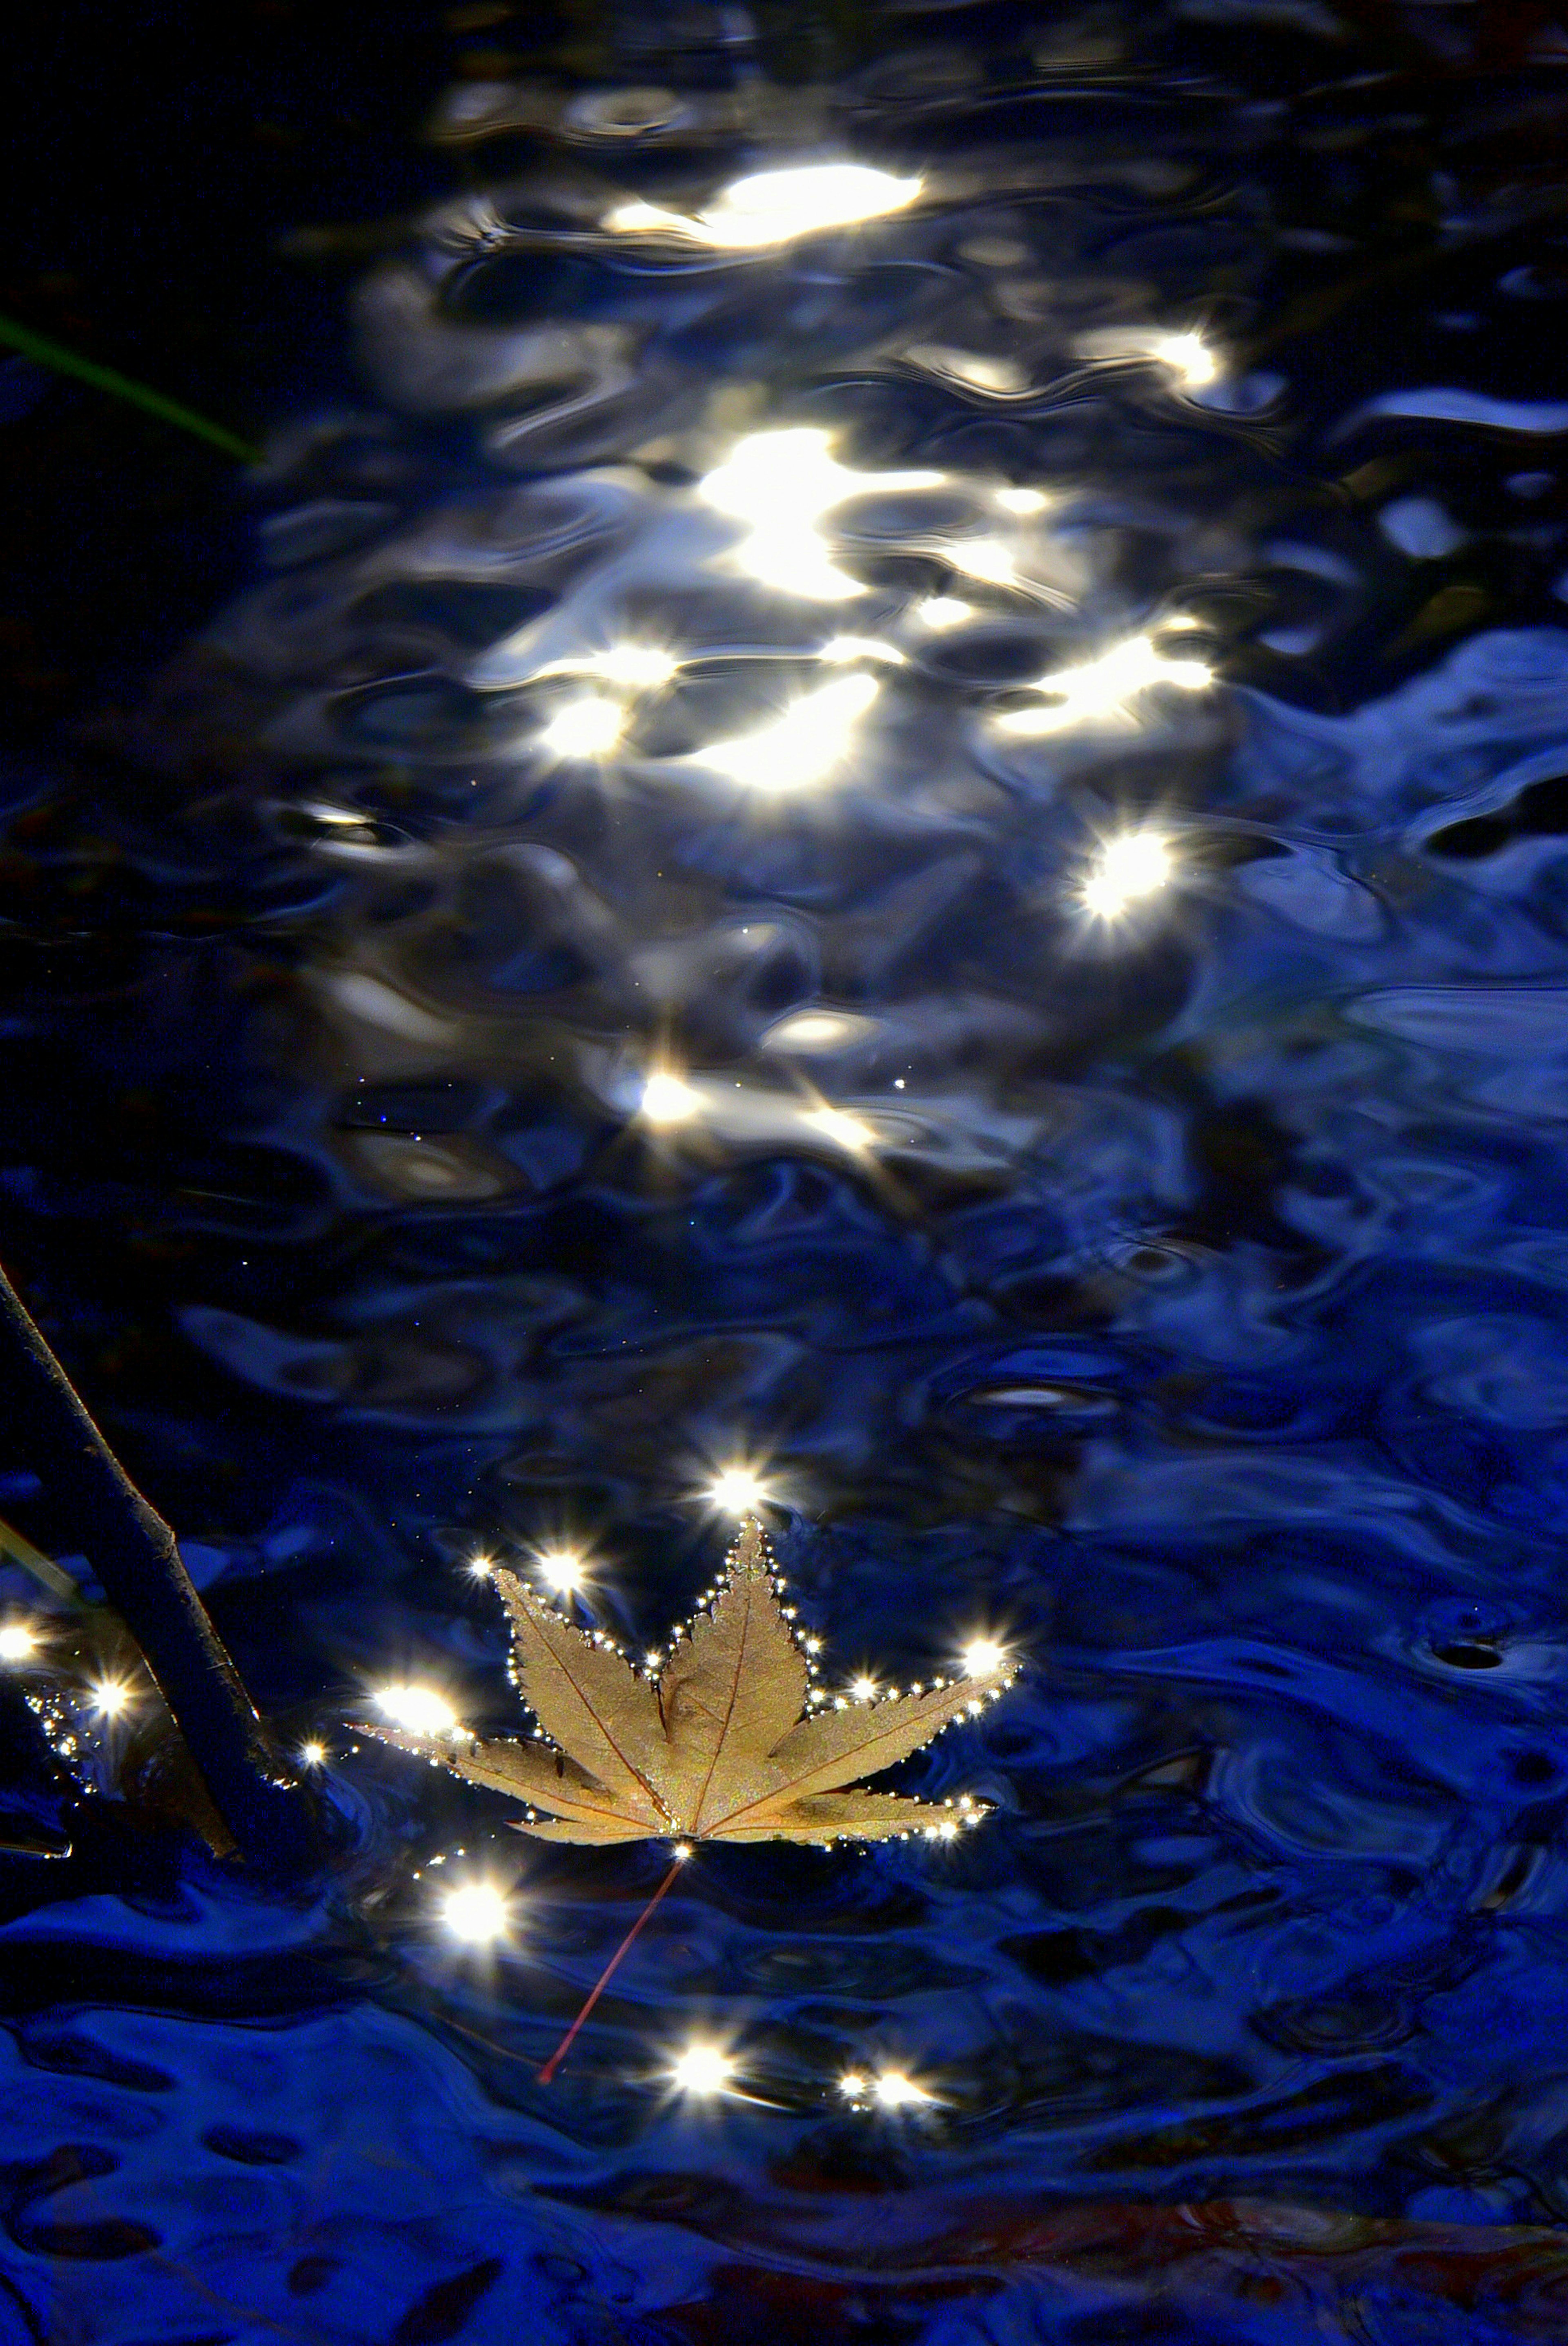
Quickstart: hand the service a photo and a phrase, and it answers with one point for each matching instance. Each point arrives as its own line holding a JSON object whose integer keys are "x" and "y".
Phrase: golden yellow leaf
{"x": 716, "y": 1749}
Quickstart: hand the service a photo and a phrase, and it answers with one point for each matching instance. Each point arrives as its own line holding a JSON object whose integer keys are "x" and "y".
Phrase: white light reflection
{"x": 839, "y": 649}
{"x": 891, "y": 2089}
{"x": 939, "y": 611}
{"x": 780, "y": 485}
{"x": 736, "y": 1490}
{"x": 802, "y": 745}
{"x": 701, "y": 2069}
{"x": 1193, "y": 362}
{"x": 563, "y": 1570}
{"x": 1189, "y": 357}
{"x": 666, "y": 1099}
{"x": 111, "y": 1697}
{"x": 312, "y": 1754}
{"x": 638, "y": 667}
{"x": 982, "y": 1656}
{"x": 476, "y": 1914}
{"x": 418, "y": 1709}
{"x": 1022, "y": 501}
{"x": 18, "y": 1643}
{"x": 774, "y": 207}
{"x": 589, "y": 728}
{"x": 836, "y": 1124}
{"x": 985, "y": 558}
{"x": 1137, "y": 865}
{"x": 862, "y": 1688}
{"x": 1105, "y": 688}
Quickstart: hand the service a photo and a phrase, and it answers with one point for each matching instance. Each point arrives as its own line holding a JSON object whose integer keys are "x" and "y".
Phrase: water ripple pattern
{"x": 888, "y": 815}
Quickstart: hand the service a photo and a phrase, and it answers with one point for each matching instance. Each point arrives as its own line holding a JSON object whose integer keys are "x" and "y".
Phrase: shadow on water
{"x": 876, "y": 789}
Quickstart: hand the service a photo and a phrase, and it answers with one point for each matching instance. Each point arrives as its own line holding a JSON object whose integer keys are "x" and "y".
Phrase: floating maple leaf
{"x": 715, "y": 1748}
{"x": 719, "y": 1747}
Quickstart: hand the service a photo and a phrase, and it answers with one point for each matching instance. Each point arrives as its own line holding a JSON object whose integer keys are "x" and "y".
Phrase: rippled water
{"x": 618, "y": 954}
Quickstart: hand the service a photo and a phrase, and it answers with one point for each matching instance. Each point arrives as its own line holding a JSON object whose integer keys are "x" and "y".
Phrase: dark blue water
{"x": 1156, "y": 1259}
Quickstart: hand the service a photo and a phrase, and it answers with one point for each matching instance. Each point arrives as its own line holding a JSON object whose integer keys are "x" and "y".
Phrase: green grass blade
{"x": 119, "y": 386}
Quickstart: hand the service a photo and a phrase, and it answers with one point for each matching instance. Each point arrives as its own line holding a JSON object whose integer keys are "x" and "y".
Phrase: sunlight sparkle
{"x": 1137, "y": 864}
{"x": 476, "y": 1913}
{"x": 17, "y": 1642}
{"x": 801, "y": 745}
{"x": 702, "y": 2069}
{"x": 562, "y": 1570}
{"x": 983, "y": 1656}
{"x": 775, "y": 207}
{"x": 738, "y": 1490}
{"x": 666, "y": 1099}
{"x": 111, "y": 1697}
{"x": 418, "y": 1709}
{"x": 1105, "y": 688}
{"x": 589, "y": 728}
{"x": 780, "y": 485}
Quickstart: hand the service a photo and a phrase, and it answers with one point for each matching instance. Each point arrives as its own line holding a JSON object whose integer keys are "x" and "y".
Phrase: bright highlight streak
{"x": 781, "y": 484}
{"x": 476, "y": 1913}
{"x": 985, "y": 558}
{"x": 702, "y": 2069}
{"x": 561, "y": 1569}
{"x": 775, "y": 207}
{"x": 892, "y": 2090}
{"x": 17, "y": 1642}
{"x": 589, "y": 728}
{"x": 738, "y": 1490}
{"x": 982, "y": 1656}
{"x": 1022, "y": 501}
{"x": 1105, "y": 688}
{"x": 1137, "y": 865}
{"x": 1189, "y": 357}
{"x": 803, "y": 744}
{"x": 841, "y": 650}
{"x": 666, "y": 1099}
{"x": 834, "y": 1124}
{"x": 111, "y": 1697}
{"x": 640, "y": 667}
{"x": 939, "y": 611}
{"x": 419, "y": 1710}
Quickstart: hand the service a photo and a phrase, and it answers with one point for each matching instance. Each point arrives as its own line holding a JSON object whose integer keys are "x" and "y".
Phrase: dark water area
{"x": 918, "y": 846}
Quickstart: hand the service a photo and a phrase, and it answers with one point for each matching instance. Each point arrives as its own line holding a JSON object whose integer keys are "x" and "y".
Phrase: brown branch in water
{"x": 133, "y": 1551}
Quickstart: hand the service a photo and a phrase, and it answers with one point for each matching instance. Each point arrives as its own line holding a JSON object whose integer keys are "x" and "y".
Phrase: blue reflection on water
{"x": 1174, "y": 1285}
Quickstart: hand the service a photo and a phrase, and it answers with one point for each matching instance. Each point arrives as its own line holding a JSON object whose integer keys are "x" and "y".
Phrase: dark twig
{"x": 133, "y": 1551}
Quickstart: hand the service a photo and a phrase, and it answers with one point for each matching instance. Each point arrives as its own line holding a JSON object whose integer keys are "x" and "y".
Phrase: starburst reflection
{"x": 312, "y": 1754}
{"x": 862, "y": 1688}
{"x": 803, "y": 744}
{"x": 1136, "y": 864}
{"x": 981, "y": 1656}
{"x": 775, "y": 207}
{"x": 419, "y": 1709}
{"x": 666, "y": 1099}
{"x": 702, "y": 2069}
{"x": 587, "y": 727}
{"x": 476, "y": 1914}
{"x": 1105, "y": 688}
{"x": 736, "y": 1490}
{"x": 563, "y": 1570}
{"x": 18, "y": 1643}
{"x": 110, "y": 1698}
